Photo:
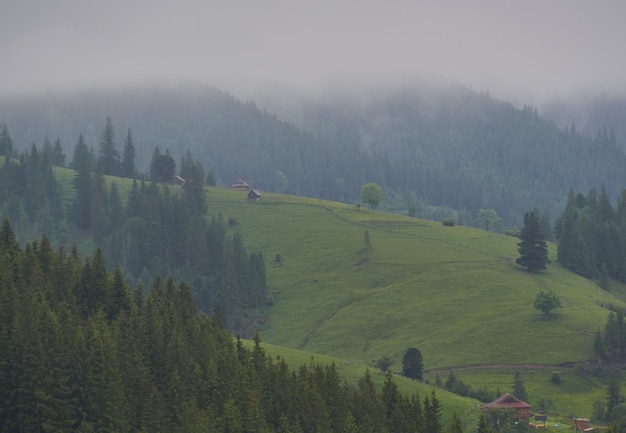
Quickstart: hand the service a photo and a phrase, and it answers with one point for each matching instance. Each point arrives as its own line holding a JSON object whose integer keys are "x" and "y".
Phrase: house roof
{"x": 240, "y": 184}
{"x": 507, "y": 401}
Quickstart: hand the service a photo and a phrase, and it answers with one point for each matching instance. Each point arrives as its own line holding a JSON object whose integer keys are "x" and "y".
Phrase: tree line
{"x": 434, "y": 154}
{"x": 81, "y": 350}
{"x": 158, "y": 231}
{"x": 591, "y": 236}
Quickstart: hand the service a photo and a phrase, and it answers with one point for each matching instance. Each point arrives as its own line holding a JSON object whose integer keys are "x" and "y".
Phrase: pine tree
{"x": 128, "y": 157}
{"x": 82, "y": 164}
{"x": 413, "y": 363}
{"x": 613, "y": 396}
{"x": 6, "y": 144}
{"x": 456, "y": 425}
{"x": 519, "y": 389}
{"x": 533, "y": 249}
{"x": 483, "y": 425}
{"x": 58, "y": 157}
{"x": 432, "y": 414}
{"x": 109, "y": 160}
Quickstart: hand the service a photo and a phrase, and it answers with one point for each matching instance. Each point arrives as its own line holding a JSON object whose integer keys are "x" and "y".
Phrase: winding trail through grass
{"x": 528, "y": 366}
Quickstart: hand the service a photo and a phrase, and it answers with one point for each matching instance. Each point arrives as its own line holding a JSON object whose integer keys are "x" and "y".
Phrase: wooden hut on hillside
{"x": 241, "y": 185}
{"x": 582, "y": 425}
{"x": 508, "y": 401}
{"x": 254, "y": 195}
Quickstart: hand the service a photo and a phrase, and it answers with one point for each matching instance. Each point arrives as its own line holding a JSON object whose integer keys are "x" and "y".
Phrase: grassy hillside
{"x": 453, "y": 292}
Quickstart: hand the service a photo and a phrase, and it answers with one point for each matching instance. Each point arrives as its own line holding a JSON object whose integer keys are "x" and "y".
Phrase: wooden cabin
{"x": 582, "y": 425}
{"x": 241, "y": 185}
{"x": 254, "y": 195}
{"x": 508, "y": 401}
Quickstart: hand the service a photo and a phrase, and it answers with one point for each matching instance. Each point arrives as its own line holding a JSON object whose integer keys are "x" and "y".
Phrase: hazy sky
{"x": 525, "y": 48}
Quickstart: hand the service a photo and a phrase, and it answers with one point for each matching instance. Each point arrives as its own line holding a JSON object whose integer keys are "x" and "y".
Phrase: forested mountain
{"x": 591, "y": 115}
{"x": 80, "y": 351}
{"x": 441, "y": 152}
{"x": 155, "y": 231}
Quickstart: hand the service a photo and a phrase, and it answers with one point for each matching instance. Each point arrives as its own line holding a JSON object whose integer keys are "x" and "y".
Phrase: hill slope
{"x": 453, "y": 292}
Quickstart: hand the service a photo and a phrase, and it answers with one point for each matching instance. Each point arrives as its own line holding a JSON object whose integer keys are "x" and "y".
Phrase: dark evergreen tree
{"x": 413, "y": 363}
{"x": 6, "y": 143}
{"x": 128, "y": 158}
{"x": 432, "y": 414}
{"x": 58, "y": 157}
{"x": 81, "y": 207}
{"x": 210, "y": 178}
{"x": 533, "y": 249}
{"x": 162, "y": 167}
{"x": 614, "y": 397}
{"x": 519, "y": 389}
{"x": 109, "y": 158}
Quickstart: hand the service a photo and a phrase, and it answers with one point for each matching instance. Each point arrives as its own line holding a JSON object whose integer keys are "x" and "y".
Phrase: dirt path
{"x": 529, "y": 366}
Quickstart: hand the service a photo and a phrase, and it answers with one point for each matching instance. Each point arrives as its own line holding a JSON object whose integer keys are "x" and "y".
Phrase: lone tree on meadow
{"x": 546, "y": 302}
{"x": 488, "y": 219}
{"x": 413, "y": 363}
{"x": 371, "y": 194}
{"x": 533, "y": 249}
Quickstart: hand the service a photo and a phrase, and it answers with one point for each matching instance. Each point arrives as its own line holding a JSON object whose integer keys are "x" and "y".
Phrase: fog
{"x": 526, "y": 51}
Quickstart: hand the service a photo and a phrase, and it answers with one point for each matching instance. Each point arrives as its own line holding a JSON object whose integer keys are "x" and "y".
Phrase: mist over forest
{"x": 439, "y": 150}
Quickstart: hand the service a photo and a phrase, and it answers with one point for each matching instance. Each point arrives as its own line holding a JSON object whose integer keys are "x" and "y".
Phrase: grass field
{"x": 453, "y": 292}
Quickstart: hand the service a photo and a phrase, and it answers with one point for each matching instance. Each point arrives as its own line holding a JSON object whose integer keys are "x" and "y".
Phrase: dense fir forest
{"x": 444, "y": 152}
{"x": 82, "y": 351}
{"x": 159, "y": 231}
{"x": 591, "y": 236}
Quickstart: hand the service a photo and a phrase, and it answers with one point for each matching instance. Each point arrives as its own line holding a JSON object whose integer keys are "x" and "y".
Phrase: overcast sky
{"x": 527, "y": 49}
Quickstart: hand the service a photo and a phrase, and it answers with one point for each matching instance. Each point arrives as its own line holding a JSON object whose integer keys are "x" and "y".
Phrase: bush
{"x": 448, "y": 222}
{"x": 556, "y": 378}
{"x": 516, "y": 232}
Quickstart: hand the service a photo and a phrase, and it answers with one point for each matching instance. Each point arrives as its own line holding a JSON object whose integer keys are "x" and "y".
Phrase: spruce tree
{"x": 613, "y": 396}
{"x": 532, "y": 248}
{"x": 413, "y": 363}
{"x": 128, "y": 157}
{"x": 109, "y": 160}
{"x": 81, "y": 207}
{"x": 519, "y": 389}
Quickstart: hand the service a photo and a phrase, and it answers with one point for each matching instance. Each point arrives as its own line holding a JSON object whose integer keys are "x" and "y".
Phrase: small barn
{"x": 508, "y": 401}
{"x": 254, "y": 195}
{"x": 582, "y": 425}
{"x": 177, "y": 180}
{"x": 241, "y": 185}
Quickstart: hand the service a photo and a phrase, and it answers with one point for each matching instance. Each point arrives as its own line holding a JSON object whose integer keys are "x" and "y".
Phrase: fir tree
{"x": 519, "y": 389}
{"x": 109, "y": 159}
{"x": 532, "y": 248}
{"x": 128, "y": 157}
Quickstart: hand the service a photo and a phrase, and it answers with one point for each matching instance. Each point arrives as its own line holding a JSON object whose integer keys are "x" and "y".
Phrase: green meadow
{"x": 453, "y": 292}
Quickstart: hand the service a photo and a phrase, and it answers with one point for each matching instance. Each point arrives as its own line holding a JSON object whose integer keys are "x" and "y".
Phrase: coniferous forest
{"x": 158, "y": 231}
{"x": 436, "y": 152}
{"x": 591, "y": 235}
{"x": 83, "y": 351}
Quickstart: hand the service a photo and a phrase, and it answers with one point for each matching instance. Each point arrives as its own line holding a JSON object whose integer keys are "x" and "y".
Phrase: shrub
{"x": 556, "y": 378}
{"x": 448, "y": 222}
